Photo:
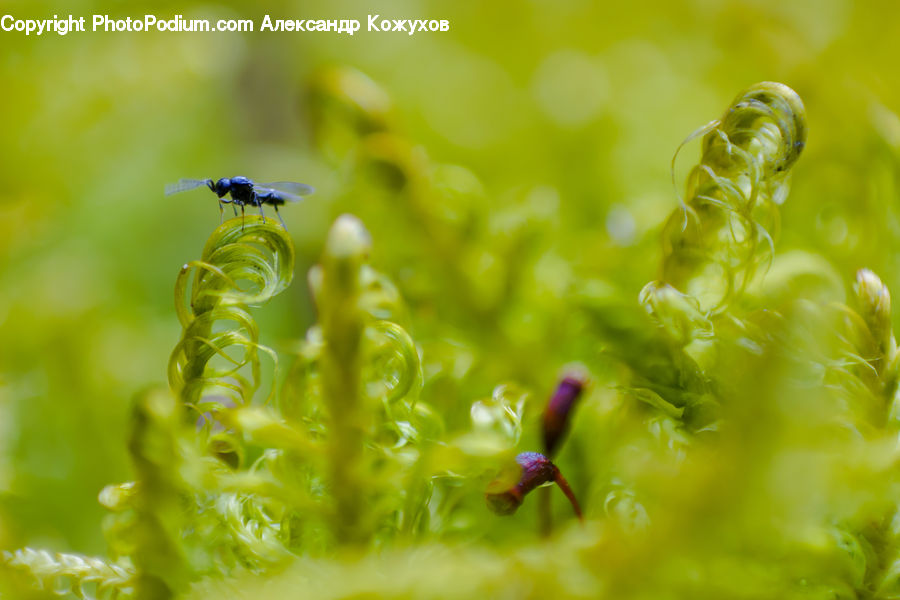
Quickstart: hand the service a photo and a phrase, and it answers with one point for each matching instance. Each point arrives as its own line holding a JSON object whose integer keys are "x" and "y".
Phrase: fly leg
{"x": 261, "y": 213}
{"x": 221, "y": 210}
{"x": 279, "y": 217}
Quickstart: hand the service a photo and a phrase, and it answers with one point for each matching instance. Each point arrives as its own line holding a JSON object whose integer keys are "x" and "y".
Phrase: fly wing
{"x": 291, "y": 187}
{"x": 185, "y": 185}
{"x": 267, "y": 191}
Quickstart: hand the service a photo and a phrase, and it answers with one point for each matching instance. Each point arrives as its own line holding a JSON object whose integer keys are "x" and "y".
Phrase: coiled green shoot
{"x": 244, "y": 263}
{"x": 715, "y": 242}
{"x": 722, "y": 233}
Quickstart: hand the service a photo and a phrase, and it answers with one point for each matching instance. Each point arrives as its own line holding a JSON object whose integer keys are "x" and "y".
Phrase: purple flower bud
{"x": 536, "y": 471}
{"x": 559, "y": 410}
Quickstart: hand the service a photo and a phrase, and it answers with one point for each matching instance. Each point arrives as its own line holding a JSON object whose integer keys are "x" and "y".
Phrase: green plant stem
{"x": 342, "y": 323}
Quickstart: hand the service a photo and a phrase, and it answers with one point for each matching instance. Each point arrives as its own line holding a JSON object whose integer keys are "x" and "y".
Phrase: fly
{"x": 244, "y": 192}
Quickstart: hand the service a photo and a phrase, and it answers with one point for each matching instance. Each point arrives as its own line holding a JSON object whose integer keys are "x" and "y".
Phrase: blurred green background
{"x": 546, "y": 128}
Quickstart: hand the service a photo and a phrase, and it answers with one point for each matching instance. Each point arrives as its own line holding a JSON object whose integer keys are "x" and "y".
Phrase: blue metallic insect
{"x": 244, "y": 192}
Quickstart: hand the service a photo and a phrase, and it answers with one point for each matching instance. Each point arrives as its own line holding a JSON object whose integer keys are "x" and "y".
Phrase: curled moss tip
{"x": 724, "y": 231}
{"x": 779, "y": 102}
{"x": 245, "y": 262}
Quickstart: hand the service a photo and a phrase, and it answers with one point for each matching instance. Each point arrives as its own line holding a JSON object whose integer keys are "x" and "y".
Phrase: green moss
{"x": 736, "y": 440}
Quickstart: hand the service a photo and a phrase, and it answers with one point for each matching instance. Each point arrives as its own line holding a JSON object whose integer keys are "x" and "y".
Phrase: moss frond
{"x": 723, "y": 231}
{"x": 86, "y": 577}
{"x": 245, "y": 263}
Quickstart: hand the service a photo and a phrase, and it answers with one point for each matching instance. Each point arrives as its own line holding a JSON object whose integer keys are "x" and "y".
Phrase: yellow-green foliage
{"x": 354, "y": 472}
{"x": 342, "y": 394}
